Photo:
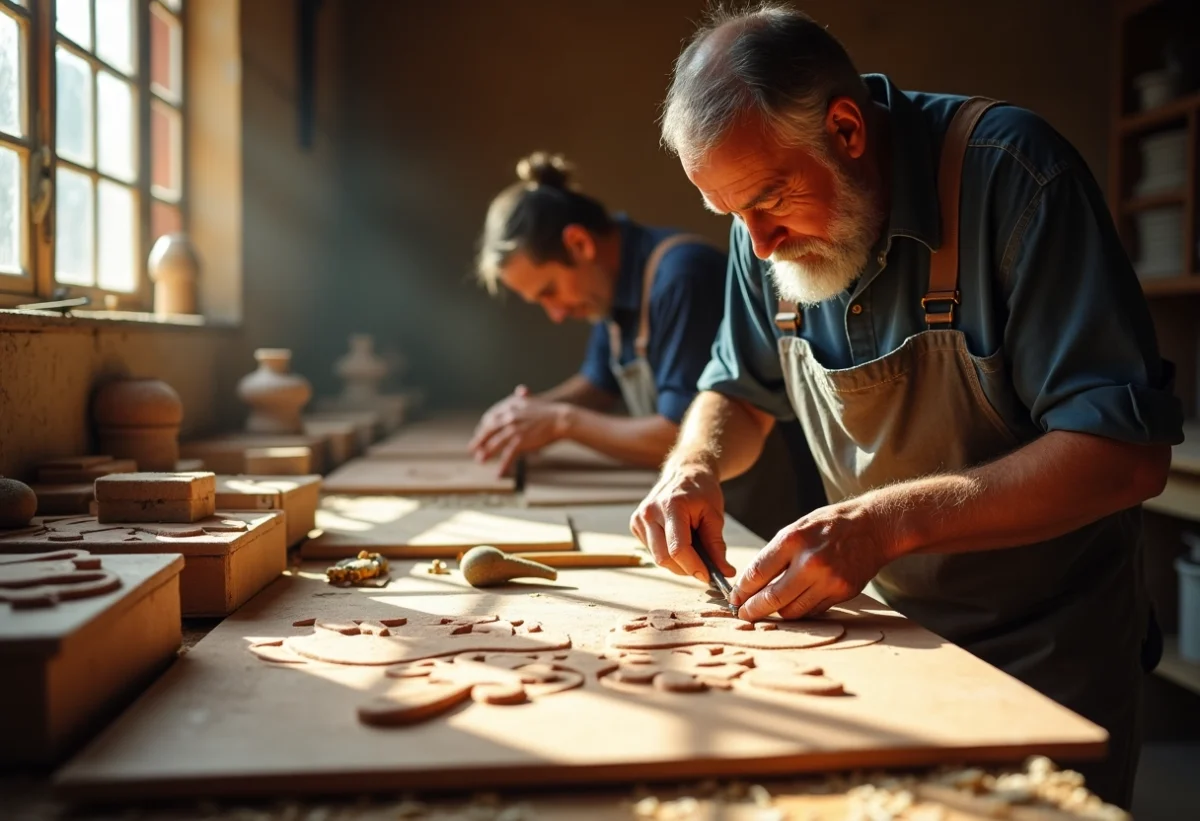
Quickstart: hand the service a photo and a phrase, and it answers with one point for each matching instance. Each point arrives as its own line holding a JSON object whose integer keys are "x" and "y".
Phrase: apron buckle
{"x": 945, "y": 317}
{"x": 788, "y": 321}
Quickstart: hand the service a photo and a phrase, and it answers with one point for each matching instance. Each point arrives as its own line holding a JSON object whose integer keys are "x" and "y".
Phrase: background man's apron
{"x": 781, "y": 486}
{"x": 1066, "y": 616}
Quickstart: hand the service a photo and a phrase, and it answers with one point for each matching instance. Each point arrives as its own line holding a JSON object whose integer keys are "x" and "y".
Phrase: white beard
{"x": 811, "y": 271}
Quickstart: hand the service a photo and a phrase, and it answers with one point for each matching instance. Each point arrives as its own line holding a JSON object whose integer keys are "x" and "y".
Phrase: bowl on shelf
{"x": 1164, "y": 163}
{"x": 1156, "y": 88}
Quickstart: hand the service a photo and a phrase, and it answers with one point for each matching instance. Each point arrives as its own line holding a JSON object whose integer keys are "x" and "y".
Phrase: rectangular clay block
{"x": 156, "y": 497}
{"x": 295, "y": 496}
{"x": 403, "y": 528}
{"x": 64, "y": 500}
{"x": 190, "y": 465}
{"x": 71, "y": 667}
{"x": 295, "y": 461}
{"x": 444, "y": 438}
{"x": 228, "y": 558}
{"x": 66, "y": 475}
{"x": 227, "y": 454}
{"x": 341, "y": 435}
{"x": 74, "y": 462}
{"x": 401, "y": 477}
{"x": 367, "y": 424}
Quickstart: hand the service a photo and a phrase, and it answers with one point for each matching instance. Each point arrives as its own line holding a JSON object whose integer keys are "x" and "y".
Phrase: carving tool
{"x": 714, "y": 574}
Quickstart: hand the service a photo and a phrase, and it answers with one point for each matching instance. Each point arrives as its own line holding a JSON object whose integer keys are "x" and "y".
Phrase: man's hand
{"x": 518, "y": 424}
{"x": 822, "y": 559}
{"x": 686, "y": 496}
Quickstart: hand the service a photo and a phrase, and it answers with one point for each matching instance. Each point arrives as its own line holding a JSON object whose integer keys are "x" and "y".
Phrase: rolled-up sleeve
{"x": 745, "y": 360}
{"x": 1079, "y": 335}
{"x": 596, "y": 367}
{"x": 685, "y": 313}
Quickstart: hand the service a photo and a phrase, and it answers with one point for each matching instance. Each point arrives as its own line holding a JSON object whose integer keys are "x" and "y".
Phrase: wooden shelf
{"x": 1175, "y": 668}
{"x": 1175, "y": 110}
{"x": 1135, "y": 204}
{"x": 1171, "y": 286}
{"x": 1180, "y": 498}
{"x": 1128, "y": 8}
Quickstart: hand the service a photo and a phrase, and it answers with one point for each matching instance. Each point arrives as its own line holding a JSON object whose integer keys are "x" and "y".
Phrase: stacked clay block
{"x": 156, "y": 497}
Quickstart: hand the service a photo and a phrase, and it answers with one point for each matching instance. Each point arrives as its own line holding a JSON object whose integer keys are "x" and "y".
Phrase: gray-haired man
{"x": 934, "y": 288}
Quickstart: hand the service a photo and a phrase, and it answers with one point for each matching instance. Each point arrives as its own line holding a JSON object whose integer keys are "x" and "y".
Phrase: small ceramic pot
{"x": 174, "y": 267}
{"x": 361, "y": 370}
{"x": 139, "y": 419}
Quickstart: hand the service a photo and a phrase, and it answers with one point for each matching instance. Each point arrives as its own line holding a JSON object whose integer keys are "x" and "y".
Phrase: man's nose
{"x": 765, "y": 236}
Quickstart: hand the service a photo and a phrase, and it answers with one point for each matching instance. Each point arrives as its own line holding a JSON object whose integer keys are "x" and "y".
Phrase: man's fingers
{"x": 656, "y": 540}
{"x": 790, "y": 587}
{"x": 508, "y": 456}
{"x": 804, "y": 606}
{"x": 769, "y": 563}
{"x": 501, "y": 439}
{"x": 712, "y": 534}
{"x": 677, "y": 526}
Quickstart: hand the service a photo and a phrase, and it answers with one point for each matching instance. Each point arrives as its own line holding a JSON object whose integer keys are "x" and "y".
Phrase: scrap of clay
{"x": 304, "y": 623}
{"x": 683, "y": 669}
{"x": 484, "y": 566}
{"x": 794, "y": 682}
{"x": 720, "y": 627}
{"x": 856, "y": 636}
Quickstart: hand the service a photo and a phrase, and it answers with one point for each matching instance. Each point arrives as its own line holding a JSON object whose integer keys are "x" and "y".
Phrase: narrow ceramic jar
{"x": 275, "y": 395}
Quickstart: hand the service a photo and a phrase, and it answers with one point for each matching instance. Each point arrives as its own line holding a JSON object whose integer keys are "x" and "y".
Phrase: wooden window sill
{"x": 26, "y": 320}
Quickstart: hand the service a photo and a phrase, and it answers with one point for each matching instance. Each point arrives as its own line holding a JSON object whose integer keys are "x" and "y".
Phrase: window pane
{"x": 10, "y": 211}
{"x": 166, "y": 40}
{"x": 114, "y": 33}
{"x": 164, "y": 219}
{"x": 10, "y": 74}
{"x": 73, "y": 228}
{"x": 73, "y": 20}
{"x": 166, "y": 143}
{"x": 173, "y": 5}
{"x": 118, "y": 271}
{"x": 114, "y": 104}
{"x": 74, "y": 136}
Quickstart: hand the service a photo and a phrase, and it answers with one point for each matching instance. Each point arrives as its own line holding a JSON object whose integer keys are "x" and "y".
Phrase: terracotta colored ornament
{"x": 484, "y": 566}
{"x": 18, "y": 503}
{"x": 45, "y": 579}
{"x": 361, "y": 370}
{"x": 275, "y": 396}
{"x": 139, "y": 419}
{"x": 174, "y": 267}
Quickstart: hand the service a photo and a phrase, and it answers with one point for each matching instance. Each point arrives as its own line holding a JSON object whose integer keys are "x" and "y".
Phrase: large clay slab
{"x": 588, "y": 487}
{"x": 227, "y": 454}
{"x": 410, "y": 476}
{"x": 568, "y": 455}
{"x": 910, "y": 700}
{"x": 403, "y": 528}
{"x": 446, "y": 438}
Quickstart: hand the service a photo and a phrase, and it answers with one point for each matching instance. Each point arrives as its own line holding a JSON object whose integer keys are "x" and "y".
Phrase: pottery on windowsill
{"x": 174, "y": 267}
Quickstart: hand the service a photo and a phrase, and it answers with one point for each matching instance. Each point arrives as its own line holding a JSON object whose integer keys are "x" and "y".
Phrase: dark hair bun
{"x": 543, "y": 168}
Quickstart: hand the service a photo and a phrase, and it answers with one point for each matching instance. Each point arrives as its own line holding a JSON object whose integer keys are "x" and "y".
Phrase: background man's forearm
{"x": 724, "y": 433}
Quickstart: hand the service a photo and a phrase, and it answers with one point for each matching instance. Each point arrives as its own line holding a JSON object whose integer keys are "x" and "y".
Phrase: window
{"x": 105, "y": 78}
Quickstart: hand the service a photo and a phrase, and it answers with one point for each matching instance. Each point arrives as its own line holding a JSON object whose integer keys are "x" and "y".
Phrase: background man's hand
{"x": 824, "y": 558}
{"x": 685, "y": 497}
{"x": 517, "y": 424}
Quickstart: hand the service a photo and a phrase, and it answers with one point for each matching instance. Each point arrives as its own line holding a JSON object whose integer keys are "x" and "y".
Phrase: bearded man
{"x": 933, "y": 286}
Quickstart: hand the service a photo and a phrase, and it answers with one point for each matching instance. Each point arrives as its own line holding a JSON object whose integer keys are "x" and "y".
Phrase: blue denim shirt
{"x": 1042, "y": 274}
{"x": 687, "y": 301}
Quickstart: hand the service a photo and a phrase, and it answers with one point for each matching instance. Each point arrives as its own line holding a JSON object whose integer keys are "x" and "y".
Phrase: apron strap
{"x": 641, "y": 342}
{"x": 788, "y": 317}
{"x": 938, "y": 303}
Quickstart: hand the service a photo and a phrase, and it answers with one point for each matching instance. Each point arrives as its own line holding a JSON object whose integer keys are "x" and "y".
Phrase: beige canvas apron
{"x": 1066, "y": 616}
{"x": 636, "y": 377}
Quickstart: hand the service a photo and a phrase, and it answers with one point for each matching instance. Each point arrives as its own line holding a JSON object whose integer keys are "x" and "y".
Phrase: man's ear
{"x": 579, "y": 242}
{"x": 847, "y": 127}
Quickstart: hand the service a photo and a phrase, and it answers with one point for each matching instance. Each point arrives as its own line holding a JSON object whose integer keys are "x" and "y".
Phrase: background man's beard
{"x": 810, "y": 271}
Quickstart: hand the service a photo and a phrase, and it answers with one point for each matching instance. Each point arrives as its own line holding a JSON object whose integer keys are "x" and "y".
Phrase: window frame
{"x": 40, "y": 81}
{"x": 26, "y": 147}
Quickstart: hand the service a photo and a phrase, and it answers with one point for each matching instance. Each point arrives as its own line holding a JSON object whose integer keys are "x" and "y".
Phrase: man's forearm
{"x": 723, "y": 433}
{"x": 639, "y": 440}
{"x": 578, "y": 390}
{"x": 1055, "y": 484}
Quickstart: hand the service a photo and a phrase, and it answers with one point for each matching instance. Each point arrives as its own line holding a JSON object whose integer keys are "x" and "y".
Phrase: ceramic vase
{"x": 1156, "y": 88}
{"x": 275, "y": 395}
{"x": 361, "y": 370}
{"x": 139, "y": 419}
{"x": 174, "y": 267}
